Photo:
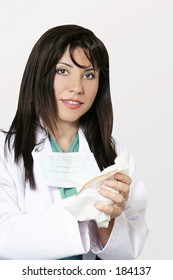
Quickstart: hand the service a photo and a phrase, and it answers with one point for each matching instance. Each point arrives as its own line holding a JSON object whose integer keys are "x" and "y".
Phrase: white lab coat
{"x": 35, "y": 224}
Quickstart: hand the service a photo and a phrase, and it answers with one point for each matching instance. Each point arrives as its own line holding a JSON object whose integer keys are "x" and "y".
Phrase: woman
{"x": 65, "y": 106}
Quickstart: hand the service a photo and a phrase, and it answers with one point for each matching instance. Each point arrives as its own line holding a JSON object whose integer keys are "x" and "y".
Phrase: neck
{"x": 65, "y": 134}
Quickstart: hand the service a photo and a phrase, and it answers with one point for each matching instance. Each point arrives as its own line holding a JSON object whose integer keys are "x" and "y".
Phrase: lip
{"x": 71, "y": 103}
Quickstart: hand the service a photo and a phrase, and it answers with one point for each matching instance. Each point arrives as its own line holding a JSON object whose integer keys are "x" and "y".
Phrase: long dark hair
{"x": 37, "y": 104}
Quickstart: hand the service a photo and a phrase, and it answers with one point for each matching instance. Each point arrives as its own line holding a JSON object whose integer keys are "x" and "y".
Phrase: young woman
{"x": 65, "y": 107}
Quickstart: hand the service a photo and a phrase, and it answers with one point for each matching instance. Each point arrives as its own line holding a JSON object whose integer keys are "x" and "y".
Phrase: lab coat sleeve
{"x": 49, "y": 233}
{"x": 130, "y": 229}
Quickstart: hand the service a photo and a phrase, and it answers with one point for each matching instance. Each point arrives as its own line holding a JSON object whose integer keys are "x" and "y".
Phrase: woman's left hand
{"x": 121, "y": 185}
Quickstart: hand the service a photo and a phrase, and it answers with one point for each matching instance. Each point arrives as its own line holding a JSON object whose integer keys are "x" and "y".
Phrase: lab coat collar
{"x": 42, "y": 141}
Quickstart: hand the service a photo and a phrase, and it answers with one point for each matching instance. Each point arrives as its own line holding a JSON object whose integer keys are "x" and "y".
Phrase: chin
{"x": 69, "y": 120}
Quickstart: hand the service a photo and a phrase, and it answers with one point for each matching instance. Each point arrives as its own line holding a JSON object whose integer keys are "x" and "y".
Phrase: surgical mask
{"x": 66, "y": 170}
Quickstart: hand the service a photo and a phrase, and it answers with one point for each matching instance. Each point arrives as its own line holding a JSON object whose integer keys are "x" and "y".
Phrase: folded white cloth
{"x": 82, "y": 204}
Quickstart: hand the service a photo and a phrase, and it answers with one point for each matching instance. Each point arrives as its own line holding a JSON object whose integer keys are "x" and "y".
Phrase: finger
{"x": 112, "y": 210}
{"x": 123, "y": 178}
{"x": 118, "y": 186}
{"x": 115, "y": 197}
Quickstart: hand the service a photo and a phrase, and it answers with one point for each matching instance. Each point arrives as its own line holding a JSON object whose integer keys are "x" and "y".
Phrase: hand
{"x": 121, "y": 185}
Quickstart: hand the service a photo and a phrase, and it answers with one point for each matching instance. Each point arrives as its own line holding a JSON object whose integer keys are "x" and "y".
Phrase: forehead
{"x": 79, "y": 56}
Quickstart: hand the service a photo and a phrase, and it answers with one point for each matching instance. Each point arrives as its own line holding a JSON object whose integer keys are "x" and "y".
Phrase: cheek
{"x": 93, "y": 97}
{"x": 55, "y": 87}
{"x": 58, "y": 89}
{"x": 93, "y": 93}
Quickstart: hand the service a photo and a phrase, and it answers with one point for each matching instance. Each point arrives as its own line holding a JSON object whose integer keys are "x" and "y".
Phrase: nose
{"x": 76, "y": 85}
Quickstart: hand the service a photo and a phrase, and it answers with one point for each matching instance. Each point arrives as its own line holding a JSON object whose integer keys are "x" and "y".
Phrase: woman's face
{"x": 75, "y": 88}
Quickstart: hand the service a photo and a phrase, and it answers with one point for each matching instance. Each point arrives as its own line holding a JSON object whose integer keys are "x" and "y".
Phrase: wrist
{"x": 104, "y": 233}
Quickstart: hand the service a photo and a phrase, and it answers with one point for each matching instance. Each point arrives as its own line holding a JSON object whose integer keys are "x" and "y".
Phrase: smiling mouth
{"x": 72, "y": 104}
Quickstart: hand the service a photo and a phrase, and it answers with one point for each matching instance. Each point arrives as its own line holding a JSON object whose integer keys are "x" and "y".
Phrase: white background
{"x": 139, "y": 37}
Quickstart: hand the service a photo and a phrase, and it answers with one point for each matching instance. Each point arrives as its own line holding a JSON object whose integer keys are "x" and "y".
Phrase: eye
{"x": 62, "y": 71}
{"x": 89, "y": 76}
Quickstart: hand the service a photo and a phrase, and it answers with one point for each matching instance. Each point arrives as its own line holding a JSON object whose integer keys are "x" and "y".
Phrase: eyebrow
{"x": 65, "y": 64}
{"x": 87, "y": 68}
